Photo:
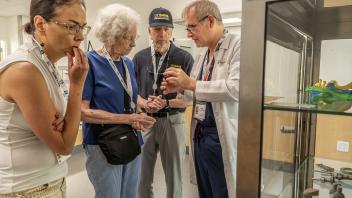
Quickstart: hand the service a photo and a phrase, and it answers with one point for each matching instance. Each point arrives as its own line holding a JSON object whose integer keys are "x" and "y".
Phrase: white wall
{"x": 3, "y": 38}
{"x": 224, "y": 6}
{"x": 25, "y": 19}
{"x": 281, "y": 72}
{"x": 4, "y": 35}
{"x": 3, "y": 24}
{"x": 12, "y": 29}
{"x": 143, "y": 7}
{"x": 336, "y": 61}
{"x": 235, "y": 30}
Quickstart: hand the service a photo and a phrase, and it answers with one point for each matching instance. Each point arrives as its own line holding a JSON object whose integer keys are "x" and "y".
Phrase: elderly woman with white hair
{"x": 109, "y": 107}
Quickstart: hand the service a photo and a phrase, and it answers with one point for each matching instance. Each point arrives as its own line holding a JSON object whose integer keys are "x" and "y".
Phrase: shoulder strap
{"x": 126, "y": 97}
{"x": 90, "y": 46}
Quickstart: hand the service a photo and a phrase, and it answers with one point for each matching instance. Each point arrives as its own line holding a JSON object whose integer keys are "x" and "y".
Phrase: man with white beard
{"x": 168, "y": 133}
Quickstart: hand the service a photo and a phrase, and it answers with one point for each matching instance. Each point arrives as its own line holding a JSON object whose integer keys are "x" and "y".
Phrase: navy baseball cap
{"x": 160, "y": 17}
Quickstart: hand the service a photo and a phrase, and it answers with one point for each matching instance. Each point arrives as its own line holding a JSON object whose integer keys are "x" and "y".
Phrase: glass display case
{"x": 295, "y": 119}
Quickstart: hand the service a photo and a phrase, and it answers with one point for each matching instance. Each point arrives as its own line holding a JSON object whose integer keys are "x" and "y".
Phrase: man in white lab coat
{"x": 213, "y": 86}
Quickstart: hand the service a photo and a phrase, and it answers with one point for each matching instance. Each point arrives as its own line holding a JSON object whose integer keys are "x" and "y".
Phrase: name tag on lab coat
{"x": 199, "y": 110}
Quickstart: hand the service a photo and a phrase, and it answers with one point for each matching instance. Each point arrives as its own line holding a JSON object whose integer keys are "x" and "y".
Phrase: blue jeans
{"x": 111, "y": 181}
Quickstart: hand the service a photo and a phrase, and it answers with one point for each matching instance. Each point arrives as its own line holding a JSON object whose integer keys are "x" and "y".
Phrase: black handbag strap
{"x": 126, "y": 97}
{"x": 90, "y": 46}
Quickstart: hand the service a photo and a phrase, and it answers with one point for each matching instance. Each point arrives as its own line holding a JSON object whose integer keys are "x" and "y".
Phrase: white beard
{"x": 161, "y": 46}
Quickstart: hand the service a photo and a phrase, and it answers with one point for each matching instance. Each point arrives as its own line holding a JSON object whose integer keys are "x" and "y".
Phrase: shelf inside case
{"x": 288, "y": 104}
{"x": 303, "y": 108}
{"x": 327, "y": 173}
{"x": 278, "y": 181}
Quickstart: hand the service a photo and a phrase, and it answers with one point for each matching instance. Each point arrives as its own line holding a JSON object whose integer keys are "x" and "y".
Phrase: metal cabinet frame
{"x": 252, "y": 87}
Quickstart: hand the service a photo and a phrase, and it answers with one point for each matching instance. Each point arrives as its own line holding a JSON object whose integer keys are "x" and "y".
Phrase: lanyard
{"x": 208, "y": 66}
{"x": 206, "y": 71}
{"x": 59, "y": 82}
{"x": 53, "y": 71}
{"x": 157, "y": 69}
{"x": 128, "y": 86}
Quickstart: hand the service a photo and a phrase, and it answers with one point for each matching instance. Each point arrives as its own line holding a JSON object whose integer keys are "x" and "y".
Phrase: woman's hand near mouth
{"x": 77, "y": 66}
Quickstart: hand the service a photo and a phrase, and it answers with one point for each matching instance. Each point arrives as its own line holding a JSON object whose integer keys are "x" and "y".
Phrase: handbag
{"x": 119, "y": 143}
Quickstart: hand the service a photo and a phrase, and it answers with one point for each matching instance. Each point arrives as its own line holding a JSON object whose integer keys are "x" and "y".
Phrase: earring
{"x": 41, "y": 43}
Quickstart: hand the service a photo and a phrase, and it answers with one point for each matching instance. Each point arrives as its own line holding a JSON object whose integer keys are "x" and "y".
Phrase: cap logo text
{"x": 161, "y": 16}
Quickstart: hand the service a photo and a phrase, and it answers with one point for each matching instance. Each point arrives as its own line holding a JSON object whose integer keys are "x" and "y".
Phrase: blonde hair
{"x": 203, "y": 8}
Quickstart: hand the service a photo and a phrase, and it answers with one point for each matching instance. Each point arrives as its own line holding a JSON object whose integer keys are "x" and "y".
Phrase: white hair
{"x": 113, "y": 21}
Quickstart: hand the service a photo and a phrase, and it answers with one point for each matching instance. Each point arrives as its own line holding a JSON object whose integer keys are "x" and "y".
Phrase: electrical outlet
{"x": 342, "y": 146}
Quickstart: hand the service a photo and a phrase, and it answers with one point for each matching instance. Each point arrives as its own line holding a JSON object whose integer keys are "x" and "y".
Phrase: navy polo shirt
{"x": 145, "y": 70}
{"x": 104, "y": 90}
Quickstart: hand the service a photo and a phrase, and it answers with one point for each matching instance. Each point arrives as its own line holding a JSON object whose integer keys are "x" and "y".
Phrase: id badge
{"x": 61, "y": 158}
{"x": 199, "y": 110}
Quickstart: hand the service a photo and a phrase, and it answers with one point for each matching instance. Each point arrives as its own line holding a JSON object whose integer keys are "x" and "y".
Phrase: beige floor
{"x": 78, "y": 185}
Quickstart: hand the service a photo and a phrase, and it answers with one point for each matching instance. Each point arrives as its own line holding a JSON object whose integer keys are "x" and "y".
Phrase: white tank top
{"x": 25, "y": 161}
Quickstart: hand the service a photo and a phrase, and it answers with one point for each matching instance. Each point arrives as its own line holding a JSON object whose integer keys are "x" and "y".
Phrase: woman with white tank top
{"x": 33, "y": 139}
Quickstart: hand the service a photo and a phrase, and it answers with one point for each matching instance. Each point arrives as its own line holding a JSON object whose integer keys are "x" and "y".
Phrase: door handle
{"x": 288, "y": 129}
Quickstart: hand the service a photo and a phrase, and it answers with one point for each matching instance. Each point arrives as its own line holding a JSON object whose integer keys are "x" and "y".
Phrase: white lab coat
{"x": 223, "y": 93}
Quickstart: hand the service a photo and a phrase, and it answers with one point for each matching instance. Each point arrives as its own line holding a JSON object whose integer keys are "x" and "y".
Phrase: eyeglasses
{"x": 130, "y": 39}
{"x": 192, "y": 27}
{"x": 74, "y": 28}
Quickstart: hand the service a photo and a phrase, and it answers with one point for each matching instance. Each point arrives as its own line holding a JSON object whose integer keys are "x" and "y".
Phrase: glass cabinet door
{"x": 306, "y": 125}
